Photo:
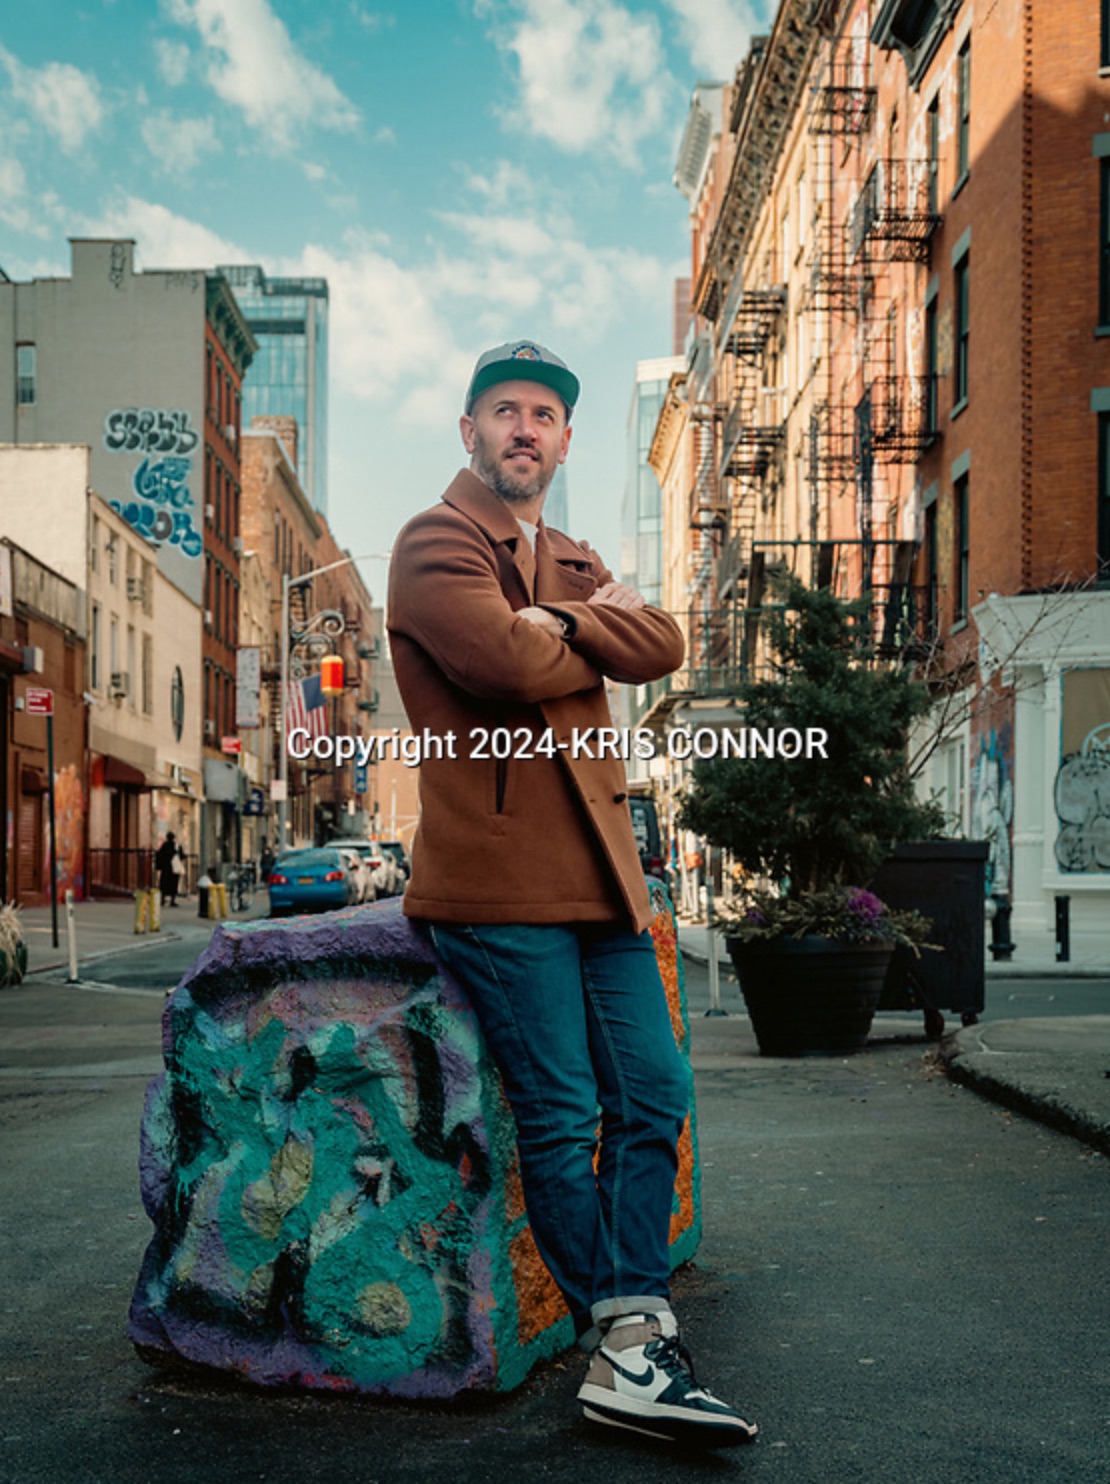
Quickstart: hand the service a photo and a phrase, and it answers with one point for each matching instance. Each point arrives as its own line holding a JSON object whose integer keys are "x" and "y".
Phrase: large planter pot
{"x": 810, "y": 995}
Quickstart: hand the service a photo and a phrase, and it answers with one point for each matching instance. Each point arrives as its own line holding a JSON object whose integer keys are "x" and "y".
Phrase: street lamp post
{"x": 318, "y": 630}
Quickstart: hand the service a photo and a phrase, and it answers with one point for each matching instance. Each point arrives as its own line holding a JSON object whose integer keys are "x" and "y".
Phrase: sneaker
{"x": 642, "y": 1378}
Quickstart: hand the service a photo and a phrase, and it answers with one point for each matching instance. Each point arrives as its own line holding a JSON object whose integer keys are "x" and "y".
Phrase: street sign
{"x": 232, "y": 745}
{"x": 362, "y": 778}
{"x": 39, "y": 701}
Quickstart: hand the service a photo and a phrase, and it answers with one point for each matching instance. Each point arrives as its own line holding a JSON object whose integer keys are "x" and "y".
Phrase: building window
{"x": 25, "y": 375}
{"x": 932, "y": 152}
{"x": 963, "y": 111}
{"x": 94, "y": 544}
{"x": 177, "y": 703}
{"x": 930, "y": 613}
{"x": 1104, "y": 45}
{"x": 1104, "y": 493}
{"x": 94, "y": 648}
{"x": 960, "y": 494}
{"x": 963, "y": 329}
{"x": 931, "y": 348}
{"x": 148, "y": 675}
{"x": 1104, "y": 240}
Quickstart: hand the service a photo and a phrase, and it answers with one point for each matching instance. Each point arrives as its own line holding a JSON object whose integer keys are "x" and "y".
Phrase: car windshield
{"x": 309, "y": 858}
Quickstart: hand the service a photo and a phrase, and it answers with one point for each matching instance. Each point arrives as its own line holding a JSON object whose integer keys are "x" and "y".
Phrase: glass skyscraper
{"x": 289, "y": 375}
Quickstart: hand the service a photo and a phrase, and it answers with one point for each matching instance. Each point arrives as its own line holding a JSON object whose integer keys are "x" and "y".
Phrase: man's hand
{"x": 616, "y": 595}
{"x": 549, "y": 622}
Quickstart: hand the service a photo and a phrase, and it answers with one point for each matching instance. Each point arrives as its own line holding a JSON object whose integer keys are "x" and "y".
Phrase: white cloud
{"x": 173, "y": 60}
{"x": 253, "y": 65}
{"x": 163, "y": 239}
{"x": 592, "y": 73}
{"x": 716, "y": 32}
{"x": 64, "y": 100}
{"x": 34, "y": 215}
{"x": 178, "y": 144}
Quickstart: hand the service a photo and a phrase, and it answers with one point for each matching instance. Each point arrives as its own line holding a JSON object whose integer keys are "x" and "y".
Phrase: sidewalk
{"x": 1055, "y": 1070}
{"x": 1033, "y": 959}
{"x": 107, "y": 926}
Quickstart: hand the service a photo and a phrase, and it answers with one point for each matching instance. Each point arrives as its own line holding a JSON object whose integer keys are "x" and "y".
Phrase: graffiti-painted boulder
{"x": 330, "y": 1167}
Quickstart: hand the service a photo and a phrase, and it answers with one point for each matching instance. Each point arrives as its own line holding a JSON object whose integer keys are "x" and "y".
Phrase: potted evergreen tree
{"x": 810, "y": 943}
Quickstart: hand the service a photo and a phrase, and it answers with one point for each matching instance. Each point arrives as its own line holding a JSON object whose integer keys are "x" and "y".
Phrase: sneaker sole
{"x": 668, "y": 1424}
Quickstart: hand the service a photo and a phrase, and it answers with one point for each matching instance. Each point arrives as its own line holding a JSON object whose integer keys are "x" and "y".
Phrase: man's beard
{"x": 514, "y": 489}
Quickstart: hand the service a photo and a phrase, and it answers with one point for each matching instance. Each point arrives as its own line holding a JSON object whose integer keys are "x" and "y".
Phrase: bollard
{"x": 224, "y": 909}
{"x": 71, "y": 938}
{"x": 155, "y": 910}
{"x": 204, "y": 886}
{"x": 142, "y": 910}
{"x": 1002, "y": 949}
{"x": 1063, "y": 930}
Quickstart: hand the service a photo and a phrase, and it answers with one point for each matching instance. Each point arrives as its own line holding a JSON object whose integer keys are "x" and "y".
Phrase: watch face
{"x": 177, "y": 703}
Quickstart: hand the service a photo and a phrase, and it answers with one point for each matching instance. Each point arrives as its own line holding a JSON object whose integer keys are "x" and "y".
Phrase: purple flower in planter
{"x": 864, "y": 905}
{"x": 755, "y": 917}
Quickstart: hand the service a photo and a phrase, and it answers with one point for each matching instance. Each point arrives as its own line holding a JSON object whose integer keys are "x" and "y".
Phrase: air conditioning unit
{"x": 237, "y": 545}
{"x": 208, "y": 618}
{"x": 209, "y": 727}
{"x": 229, "y": 432}
{"x": 135, "y": 589}
{"x": 120, "y": 685}
{"x": 210, "y": 511}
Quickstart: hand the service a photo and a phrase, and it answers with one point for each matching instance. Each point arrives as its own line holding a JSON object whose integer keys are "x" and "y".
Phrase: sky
{"x": 462, "y": 172}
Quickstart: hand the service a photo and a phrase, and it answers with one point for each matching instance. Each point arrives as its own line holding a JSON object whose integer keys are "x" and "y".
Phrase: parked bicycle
{"x": 240, "y": 886}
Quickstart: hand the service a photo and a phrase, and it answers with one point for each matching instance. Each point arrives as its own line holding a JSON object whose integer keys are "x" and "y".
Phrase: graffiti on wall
{"x": 162, "y": 505}
{"x": 1082, "y": 790}
{"x": 1082, "y": 797}
{"x": 992, "y": 805}
{"x": 69, "y": 827}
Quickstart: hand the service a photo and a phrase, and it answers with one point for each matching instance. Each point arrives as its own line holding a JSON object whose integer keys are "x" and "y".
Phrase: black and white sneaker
{"x": 642, "y": 1378}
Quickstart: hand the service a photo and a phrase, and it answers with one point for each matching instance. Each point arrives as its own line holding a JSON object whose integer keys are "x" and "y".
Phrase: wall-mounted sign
{"x": 39, "y": 701}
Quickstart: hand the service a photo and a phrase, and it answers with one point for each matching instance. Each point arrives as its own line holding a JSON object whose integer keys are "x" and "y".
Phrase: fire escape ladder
{"x": 842, "y": 104}
{"x": 893, "y": 211}
{"x": 708, "y": 510}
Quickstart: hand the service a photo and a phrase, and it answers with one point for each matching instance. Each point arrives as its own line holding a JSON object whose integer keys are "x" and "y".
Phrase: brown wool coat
{"x": 520, "y": 838}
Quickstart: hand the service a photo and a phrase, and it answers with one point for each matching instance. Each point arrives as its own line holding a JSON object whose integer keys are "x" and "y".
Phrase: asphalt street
{"x": 899, "y": 1280}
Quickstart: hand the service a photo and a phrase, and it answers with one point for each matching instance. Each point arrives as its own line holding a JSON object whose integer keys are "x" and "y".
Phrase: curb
{"x": 1044, "y": 1108}
{"x": 147, "y": 940}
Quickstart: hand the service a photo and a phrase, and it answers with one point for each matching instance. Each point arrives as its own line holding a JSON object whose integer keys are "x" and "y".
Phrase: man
{"x": 164, "y": 858}
{"x": 503, "y": 633}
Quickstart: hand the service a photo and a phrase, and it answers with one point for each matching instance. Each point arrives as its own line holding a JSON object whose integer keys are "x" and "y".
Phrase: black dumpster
{"x": 946, "y": 881}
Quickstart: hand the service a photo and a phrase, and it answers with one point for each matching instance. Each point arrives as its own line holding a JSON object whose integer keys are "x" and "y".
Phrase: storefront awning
{"x": 118, "y": 774}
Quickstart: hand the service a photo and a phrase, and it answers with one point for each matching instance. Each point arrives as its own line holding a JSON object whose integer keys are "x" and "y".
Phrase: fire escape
{"x": 871, "y": 415}
{"x": 753, "y": 431}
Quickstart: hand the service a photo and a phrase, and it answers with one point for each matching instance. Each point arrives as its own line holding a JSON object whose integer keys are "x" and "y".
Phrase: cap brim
{"x": 558, "y": 378}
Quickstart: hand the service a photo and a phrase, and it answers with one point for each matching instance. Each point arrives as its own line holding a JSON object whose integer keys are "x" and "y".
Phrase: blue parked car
{"x": 311, "y": 881}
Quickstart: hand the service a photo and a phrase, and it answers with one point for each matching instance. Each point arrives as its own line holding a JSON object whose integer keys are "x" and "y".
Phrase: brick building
{"x": 42, "y": 645}
{"x": 146, "y": 369}
{"x": 898, "y": 383}
{"x": 284, "y": 537}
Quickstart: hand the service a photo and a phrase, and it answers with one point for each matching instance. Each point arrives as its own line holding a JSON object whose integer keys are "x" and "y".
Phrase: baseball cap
{"x": 522, "y": 360}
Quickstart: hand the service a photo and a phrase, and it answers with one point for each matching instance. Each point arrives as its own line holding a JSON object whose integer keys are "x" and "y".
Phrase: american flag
{"x": 307, "y": 707}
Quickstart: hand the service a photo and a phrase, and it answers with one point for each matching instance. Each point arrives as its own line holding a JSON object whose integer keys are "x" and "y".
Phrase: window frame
{"x": 961, "y": 589}
{"x": 1104, "y": 241}
{"x": 963, "y": 112}
{"x": 26, "y": 380}
{"x": 961, "y": 361}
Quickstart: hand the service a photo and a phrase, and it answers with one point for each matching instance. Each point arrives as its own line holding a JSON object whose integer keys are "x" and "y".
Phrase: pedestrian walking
{"x": 164, "y": 858}
{"x": 503, "y": 633}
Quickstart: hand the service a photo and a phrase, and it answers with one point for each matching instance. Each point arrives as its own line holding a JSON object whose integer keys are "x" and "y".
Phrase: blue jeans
{"x": 576, "y": 1019}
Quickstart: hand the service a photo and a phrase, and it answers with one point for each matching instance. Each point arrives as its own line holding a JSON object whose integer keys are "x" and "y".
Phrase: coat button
{"x": 619, "y": 798}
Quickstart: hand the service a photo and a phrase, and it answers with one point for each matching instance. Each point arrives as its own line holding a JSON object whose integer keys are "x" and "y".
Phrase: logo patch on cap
{"x": 526, "y": 353}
